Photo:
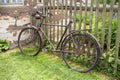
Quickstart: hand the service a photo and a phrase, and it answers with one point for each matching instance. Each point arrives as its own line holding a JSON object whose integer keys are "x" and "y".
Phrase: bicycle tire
{"x": 29, "y": 41}
{"x": 80, "y": 51}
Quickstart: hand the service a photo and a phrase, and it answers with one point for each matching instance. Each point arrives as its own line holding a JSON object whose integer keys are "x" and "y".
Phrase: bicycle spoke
{"x": 83, "y": 54}
{"x": 29, "y": 41}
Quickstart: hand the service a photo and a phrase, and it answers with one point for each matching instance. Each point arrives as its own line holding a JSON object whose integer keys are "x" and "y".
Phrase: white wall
{"x": 8, "y": 30}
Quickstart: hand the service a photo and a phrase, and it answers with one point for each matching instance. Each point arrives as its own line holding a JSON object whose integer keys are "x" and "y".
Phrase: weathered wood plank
{"x": 50, "y": 22}
{"x": 62, "y": 10}
{"x": 85, "y": 13}
{"x": 53, "y": 22}
{"x": 110, "y": 25}
{"x": 44, "y": 12}
{"x": 58, "y": 30}
{"x": 66, "y": 13}
{"x": 46, "y": 20}
{"x": 117, "y": 39}
{"x": 91, "y": 14}
{"x": 75, "y": 11}
{"x": 103, "y": 25}
{"x": 70, "y": 12}
{"x": 97, "y": 19}
{"x": 118, "y": 61}
{"x": 80, "y": 22}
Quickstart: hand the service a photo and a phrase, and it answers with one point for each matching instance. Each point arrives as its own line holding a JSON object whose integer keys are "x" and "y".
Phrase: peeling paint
{"x": 12, "y": 19}
{"x": 9, "y": 30}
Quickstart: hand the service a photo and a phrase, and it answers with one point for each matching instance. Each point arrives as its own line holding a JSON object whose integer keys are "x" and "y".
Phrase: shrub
{"x": 83, "y": 18}
{"x": 4, "y": 45}
{"x": 109, "y": 1}
{"x": 113, "y": 34}
{"x": 114, "y": 27}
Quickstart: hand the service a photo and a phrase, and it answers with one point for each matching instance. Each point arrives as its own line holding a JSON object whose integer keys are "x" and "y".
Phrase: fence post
{"x": 110, "y": 25}
{"x": 117, "y": 39}
{"x": 103, "y": 25}
{"x": 97, "y": 18}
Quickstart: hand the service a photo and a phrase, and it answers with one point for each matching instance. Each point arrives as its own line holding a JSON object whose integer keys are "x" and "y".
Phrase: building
{"x": 13, "y": 15}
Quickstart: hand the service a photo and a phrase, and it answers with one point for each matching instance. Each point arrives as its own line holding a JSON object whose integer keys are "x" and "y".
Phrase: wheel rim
{"x": 84, "y": 56}
{"x": 29, "y": 42}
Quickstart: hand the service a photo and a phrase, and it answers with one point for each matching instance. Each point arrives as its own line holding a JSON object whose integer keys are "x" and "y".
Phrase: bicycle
{"x": 80, "y": 50}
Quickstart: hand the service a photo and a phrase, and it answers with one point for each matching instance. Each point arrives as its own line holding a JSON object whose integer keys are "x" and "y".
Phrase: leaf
{"x": 111, "y": 59}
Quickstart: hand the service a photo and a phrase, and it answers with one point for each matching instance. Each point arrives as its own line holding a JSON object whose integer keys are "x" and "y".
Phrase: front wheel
{"x": 81, "y": 51}
{"x": 29, "y": 41}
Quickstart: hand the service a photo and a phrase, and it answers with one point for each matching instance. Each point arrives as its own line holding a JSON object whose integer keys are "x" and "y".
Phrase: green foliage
{"x": 109, "y": 1}
{"x": 100, "y": 26}
{"x": 107, "y": 57}
{"x": 77, "y": 17}
{"x": 83, "y": 18}
{"x": 107, "y": 24}
{"x": 107, "y": 64}
{"x": 14, "y": 66}
{"x": 47, "y": 45}
{"x": 4, "y": 45}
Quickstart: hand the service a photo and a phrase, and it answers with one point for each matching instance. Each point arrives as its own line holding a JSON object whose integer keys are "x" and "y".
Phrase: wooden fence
{"x": 102, "y": 18}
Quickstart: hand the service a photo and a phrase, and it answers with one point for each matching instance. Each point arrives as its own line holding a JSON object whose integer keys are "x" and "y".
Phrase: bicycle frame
{"x": 62, "y": 36}
{"x": 80, "y": 50}
{"x": 41, "y": 17}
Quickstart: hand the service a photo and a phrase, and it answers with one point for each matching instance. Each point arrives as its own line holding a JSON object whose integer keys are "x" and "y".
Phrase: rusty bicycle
{"x": 80, "y": 49}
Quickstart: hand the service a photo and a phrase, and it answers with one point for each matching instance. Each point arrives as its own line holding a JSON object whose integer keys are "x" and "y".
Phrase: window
{"x": 10, "y": 1}
{"x": 39, "y": 1}
{"x": 17, "y": 1}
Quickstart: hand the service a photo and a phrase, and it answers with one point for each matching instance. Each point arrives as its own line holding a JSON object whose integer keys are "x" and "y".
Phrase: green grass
{"x": 14, "y": 66}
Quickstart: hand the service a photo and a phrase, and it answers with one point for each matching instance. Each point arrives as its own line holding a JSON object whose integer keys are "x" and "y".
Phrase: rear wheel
{"x": 81, "y": 52}
{"x": 29, "y": 41}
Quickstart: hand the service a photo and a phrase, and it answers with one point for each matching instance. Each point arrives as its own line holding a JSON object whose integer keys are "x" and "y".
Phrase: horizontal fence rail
{"x": 108, "y": 7}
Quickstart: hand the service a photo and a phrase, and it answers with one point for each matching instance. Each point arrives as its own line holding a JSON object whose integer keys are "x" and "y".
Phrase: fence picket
{"x": 97, "y": 19}
{"x": 85, "y": 16}
{"x": 91, "y": 14}
{"x": 58, "y": 30}
{"x": 80, "y": 13}
{"x": 110, "y": 25}
{"x": 117, "y": 40}
{"x": 103, "y": 25}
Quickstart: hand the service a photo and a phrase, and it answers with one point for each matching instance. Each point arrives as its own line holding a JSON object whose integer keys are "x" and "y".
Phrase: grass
{"x": 14, "y": 66}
